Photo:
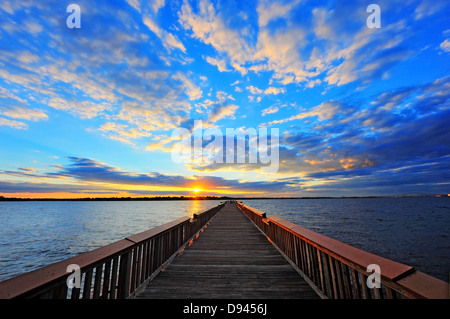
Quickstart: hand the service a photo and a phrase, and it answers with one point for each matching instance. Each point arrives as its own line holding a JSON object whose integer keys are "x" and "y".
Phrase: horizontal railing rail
{"x": 340, "y": 271}
{"x": 111, "y": 272}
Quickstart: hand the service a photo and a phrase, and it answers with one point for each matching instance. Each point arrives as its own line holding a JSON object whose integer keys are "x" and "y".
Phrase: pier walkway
{"x": 230, "y": 259}
{"x": 230, "y": 251}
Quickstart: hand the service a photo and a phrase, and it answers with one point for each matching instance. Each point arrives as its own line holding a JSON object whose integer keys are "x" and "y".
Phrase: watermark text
{"x": 237, "y": 146}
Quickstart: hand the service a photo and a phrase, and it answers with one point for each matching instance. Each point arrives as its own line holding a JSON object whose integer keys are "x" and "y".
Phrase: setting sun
{"x": 196, "y": 190}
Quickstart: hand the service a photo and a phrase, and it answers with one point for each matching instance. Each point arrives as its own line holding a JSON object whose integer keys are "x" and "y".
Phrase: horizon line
{"x": 212, "y": 197}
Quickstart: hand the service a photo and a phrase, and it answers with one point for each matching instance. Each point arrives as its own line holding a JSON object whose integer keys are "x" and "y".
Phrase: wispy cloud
{"x": 268, "y": 11}
{"x": 220, "y": 64}
{"x": 445, "y": 45}
{"x": 13, "y": 124}
{"x": 23, "y": 113}
{"x": 270, "y": 110}
{"x": 427, "y": 8}
{"x": 192, "y": 91}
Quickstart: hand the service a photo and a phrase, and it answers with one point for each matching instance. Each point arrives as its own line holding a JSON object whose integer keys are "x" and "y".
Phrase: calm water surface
{"x": 34, "y": 234}
{"x": 414, "y": 231}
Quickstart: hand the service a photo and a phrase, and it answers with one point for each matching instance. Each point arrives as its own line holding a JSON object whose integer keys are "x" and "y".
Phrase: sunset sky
{"x": 91, "y": 111}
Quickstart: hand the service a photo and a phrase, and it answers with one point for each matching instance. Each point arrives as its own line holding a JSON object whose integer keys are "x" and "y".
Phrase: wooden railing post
{"x": 124, "y": 275}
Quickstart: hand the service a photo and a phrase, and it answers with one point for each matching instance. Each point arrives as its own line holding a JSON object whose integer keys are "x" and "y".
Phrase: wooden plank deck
{"x": 231, "y": 259}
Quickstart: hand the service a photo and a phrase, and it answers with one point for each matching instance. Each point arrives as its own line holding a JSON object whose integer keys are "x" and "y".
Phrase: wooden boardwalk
{"x": 231, "y": 259}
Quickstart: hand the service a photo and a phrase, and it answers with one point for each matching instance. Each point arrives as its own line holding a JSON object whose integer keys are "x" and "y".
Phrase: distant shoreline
{"x": 170, "y": 198}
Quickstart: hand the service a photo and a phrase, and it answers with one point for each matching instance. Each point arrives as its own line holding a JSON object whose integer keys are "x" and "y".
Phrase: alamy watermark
{"x": 74, "y": 279}
{"x": 374, "y": 279}
{"x": 73, "y": 20}
{"x": 374, "y": 19}
{"x": 238, "y": 145}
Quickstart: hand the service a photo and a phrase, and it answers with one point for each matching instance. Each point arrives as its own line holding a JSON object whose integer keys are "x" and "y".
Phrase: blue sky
{"x": 91, "y": 111}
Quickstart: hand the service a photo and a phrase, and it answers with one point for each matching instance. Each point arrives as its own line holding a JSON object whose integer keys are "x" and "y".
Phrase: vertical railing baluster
{"x": 365, "y": 289}
{"x": 124, "y": 275}
{"x": 340, "y": 281}
{"x": 347, "y": 284}
{"x": 321, "y": 279}
{"x": 333, "y": 276}
{"x": 114, "y": 284}
{"x": 356, "y": 292}
{"x": 106, "y": 280}
{"x": 98, "y": 281}
{"x": 326, "y": 275}
{"x": 87, "y": 284}
{"x": 378, "y": 293}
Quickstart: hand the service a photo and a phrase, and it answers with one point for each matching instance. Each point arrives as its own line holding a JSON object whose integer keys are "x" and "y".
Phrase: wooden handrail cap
{"x": 157, "y": 230}
{"x": 421, "y": 285}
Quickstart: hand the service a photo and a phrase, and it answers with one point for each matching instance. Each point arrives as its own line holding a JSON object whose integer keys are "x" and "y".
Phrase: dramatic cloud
{"x": 374, "y": 142}
{"x": 356, "y": 107}
{"x": 83, "y": 174}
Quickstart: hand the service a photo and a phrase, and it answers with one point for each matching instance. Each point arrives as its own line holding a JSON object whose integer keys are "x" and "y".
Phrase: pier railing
{"x": 111, "y": 272}
{"x": 340, "y": 271}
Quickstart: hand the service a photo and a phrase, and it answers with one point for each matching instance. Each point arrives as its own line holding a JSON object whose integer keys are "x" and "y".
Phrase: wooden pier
{"x": 230, "y": 251}
{"x": 230, "y": 259}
